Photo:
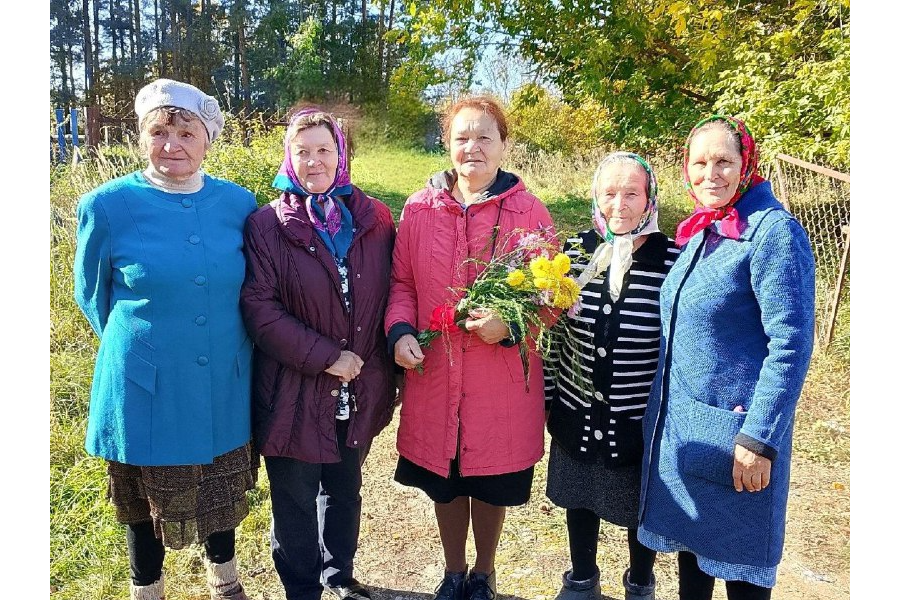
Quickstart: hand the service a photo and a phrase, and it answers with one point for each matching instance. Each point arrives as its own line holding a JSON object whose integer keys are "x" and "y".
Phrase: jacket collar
{"x": 441, "y": 186}
{"x": 299, "y": 230}
{"x": 752, "y": 207}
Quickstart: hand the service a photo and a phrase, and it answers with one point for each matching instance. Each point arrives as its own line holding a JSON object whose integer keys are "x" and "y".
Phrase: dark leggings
{"x": 694, "y": 584}
{"x": 146, "y": 551}
{"x": 584, "y": 530}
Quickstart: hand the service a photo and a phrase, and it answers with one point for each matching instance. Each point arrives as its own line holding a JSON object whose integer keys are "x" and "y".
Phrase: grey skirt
{"x": 611, "y": 494}
{"x": 185, "y": 502}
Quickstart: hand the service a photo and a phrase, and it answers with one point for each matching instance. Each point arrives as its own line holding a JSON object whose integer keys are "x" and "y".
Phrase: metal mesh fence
{"x": 820, "y": 199}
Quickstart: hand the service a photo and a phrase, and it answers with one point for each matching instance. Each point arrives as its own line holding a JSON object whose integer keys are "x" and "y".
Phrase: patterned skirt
{"x": 185, "y": 502}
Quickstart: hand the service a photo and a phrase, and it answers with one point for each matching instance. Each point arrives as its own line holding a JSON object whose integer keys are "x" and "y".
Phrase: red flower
{"x": 442, "y": 317}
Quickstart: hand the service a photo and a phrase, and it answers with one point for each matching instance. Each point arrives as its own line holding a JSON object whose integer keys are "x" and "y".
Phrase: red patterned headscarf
{"x": 728, "y": 214}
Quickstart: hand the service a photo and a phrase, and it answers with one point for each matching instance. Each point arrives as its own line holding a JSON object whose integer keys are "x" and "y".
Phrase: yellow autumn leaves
{"x": 549, "y": 276}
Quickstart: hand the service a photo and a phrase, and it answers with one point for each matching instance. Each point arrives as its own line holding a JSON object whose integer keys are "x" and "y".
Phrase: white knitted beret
{"x": 166, "y": 92}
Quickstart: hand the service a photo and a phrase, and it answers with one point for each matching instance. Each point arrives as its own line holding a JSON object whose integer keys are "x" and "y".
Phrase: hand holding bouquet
{"x": 522, "y": 287}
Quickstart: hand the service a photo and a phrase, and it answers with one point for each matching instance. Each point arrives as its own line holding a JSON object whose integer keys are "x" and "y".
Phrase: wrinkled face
{"x": 622, "y": 195}
{"x": 314, "y": 156}
{"x": 714, "y": 167}
{"x": 177, "y": 149}
{"x": 476, "y": 149}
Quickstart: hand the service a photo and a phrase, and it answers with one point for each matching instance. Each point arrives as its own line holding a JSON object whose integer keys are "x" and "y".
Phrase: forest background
{"x": 576, "y": 74}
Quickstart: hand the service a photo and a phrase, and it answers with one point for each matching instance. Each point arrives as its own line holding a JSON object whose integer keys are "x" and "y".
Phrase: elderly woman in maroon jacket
{"x": 318, "y": 273}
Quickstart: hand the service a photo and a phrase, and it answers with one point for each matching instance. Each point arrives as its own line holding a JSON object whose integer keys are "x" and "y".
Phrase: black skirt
{"x": 506, "y": 489}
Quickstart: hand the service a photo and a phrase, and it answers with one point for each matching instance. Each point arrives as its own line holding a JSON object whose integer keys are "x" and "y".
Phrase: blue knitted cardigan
{"x": 737, "y": 329}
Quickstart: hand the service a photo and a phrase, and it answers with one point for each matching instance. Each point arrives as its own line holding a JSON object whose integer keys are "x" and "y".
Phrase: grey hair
{"x": 620, "y": 158}
{"x": 722, "y": 125}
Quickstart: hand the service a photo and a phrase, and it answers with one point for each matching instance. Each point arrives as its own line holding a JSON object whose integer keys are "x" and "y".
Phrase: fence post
{"x": 92, "y": 126}
{"x": 782, "y": 189}
{"x": 73, "y": 121}
{"x": 840, "y": 286}
{"x": 61, "y": 134}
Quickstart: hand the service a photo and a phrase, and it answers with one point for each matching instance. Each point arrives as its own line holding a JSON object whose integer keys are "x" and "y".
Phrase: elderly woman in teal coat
{"x": 158, "y": 269}
{"x": 737, "y": 314}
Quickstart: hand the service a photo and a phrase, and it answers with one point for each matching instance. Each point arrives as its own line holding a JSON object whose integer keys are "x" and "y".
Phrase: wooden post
{"x": 92, "y": 126}
{"x": 61, "y": 133}
{"x": 782, "y": 188}
{"x": 840, "y": 285}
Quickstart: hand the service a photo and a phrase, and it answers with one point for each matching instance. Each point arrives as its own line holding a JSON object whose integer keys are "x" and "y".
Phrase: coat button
{"x": 199, "y": 279}
{"x": 194, "y": 239}
{"x": 599, "y": 396}
{"x": 312, "y": 248}
{"x": 334, "y": 393}
{"x": 601, "y": 352}
{"x": 357, "y": 275}
{"x": 202, "y": 361}
{"x": 607, "y": 309}
{"x": 598, "y": 434}
{"x": 201, "y": 320}
{"x": 187, "y": 203}
{"x": 359, "y": 328}
{"x": 343, "y": 343}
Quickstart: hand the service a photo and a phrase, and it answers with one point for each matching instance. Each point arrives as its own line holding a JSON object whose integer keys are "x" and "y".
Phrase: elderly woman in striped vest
{"x": 597, "y": 381}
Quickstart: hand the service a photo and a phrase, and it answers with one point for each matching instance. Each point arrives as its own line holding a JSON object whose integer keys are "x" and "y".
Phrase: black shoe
{"x": 453, "y": 587}
{"x": 481, "y": 586}
{"x": 350, "y": 590}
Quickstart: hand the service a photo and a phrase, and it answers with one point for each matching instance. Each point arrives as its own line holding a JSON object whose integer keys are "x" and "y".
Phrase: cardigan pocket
{"x": 708, "y": 445}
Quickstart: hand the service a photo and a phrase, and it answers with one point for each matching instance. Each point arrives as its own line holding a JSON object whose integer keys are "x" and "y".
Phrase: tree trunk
{"x": 97, "y": 46}
{"x": 158, "y": 42}
{"x": 71, "y": 62}
{"x": 131, "y": 44}
{"x": 113, "y": 37}
{"x": 381, "y": 40}
{"x": 245, "y": 69}
{"x": 387, "y": 58}
{"x": 88, "y": 53}
{"x": 139, "y": 60}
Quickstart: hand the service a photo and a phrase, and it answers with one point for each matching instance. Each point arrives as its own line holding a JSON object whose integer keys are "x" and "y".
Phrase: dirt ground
{"x": 400, "y": 552}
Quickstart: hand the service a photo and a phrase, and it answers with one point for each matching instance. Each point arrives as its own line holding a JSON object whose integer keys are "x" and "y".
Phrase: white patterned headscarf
{"x": 617, "y": 252}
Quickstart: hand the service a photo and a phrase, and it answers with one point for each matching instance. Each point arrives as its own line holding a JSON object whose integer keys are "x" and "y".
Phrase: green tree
{"x": 658, "y": 65}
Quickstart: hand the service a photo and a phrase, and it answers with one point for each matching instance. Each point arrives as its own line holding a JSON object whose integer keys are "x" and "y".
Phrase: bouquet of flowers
{"x": 524, "y": 286}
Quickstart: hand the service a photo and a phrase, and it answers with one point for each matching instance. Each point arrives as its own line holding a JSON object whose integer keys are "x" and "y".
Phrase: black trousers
{"x": 694, "y": 584}
{"x": 146, "y": 551}
{"x": 315, "y": 519}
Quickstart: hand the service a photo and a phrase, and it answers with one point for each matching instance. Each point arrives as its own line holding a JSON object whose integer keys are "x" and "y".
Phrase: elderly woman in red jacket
{"x": 470, "y": 429}
{"x": 318, "y": 264}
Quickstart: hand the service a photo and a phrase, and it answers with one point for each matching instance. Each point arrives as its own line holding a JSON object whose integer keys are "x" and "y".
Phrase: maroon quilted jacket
{"x": 293, "y": 308}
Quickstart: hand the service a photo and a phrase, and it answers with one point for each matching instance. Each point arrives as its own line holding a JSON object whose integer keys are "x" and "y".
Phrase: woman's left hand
{"x": 489, "y": 328}
{"x": 751, "y": 471}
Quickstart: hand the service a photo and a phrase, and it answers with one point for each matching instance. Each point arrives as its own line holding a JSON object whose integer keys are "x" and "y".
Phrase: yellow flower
{"x": 515, "y": 278}
{"x": 543, "y": 283}
{"x": 567, "y": 293}
{"x": 561, "y": 264}
{"x": 540, "y": 267}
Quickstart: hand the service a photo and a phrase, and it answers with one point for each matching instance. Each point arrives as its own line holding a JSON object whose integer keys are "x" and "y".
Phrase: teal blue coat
{"x": 158, "y": 277}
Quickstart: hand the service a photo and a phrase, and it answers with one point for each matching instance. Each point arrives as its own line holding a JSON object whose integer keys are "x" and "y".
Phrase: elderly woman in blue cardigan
{"x": 737, "y": 314}
{"x": 158, "y": 269}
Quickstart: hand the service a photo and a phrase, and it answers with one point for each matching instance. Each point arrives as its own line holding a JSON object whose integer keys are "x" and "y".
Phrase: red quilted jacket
{"x": 474, "y": 395}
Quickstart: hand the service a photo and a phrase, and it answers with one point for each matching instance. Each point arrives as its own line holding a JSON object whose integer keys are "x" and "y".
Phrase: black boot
{"x": 452, "y": 587}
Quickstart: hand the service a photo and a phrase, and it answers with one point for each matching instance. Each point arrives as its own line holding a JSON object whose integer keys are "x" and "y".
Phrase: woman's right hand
{"x": 407, "y": 352}
{"x": 347, "y": 367}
